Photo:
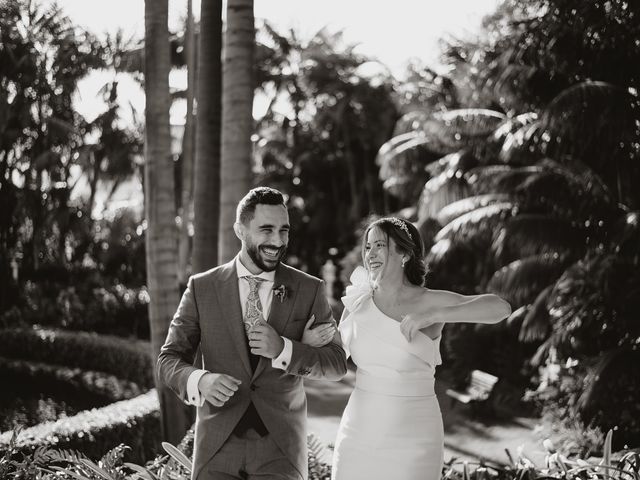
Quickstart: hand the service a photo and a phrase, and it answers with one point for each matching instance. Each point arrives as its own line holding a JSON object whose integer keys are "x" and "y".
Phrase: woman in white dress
{"x": 391, "y": 327}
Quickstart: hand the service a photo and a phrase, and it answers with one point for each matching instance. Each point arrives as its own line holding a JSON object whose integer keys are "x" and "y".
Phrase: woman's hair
{"x": 408, "y": 242}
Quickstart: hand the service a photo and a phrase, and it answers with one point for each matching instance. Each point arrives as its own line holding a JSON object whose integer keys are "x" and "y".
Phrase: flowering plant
{"x": 280, "y": 292}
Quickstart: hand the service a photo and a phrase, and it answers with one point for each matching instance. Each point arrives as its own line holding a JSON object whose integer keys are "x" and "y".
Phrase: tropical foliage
{"x": 329, "y": 112}
{"x": 176, "y": 464}
{"x": 534, "y": 197}
{"x": 54, "y": 162}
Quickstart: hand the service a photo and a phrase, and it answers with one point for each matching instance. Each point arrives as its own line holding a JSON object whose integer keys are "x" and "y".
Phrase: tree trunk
{"x": 207, "y": 160}
{"x": 161, "y": 235}
{"x": 186, "y": 202}
{"x": 237, "y": 119}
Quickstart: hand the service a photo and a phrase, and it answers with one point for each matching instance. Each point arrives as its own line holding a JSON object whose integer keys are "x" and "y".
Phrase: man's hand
{"x": 318, "y": 336}
{"x": 217, "y": 388}
{"x": 265, "y": 341}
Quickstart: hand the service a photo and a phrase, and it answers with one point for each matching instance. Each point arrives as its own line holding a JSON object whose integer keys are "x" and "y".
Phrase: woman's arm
{"x": 449, "y": 307}
{"x": 486, "y": 308}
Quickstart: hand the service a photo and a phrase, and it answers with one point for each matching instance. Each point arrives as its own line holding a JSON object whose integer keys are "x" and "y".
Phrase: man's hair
{"x": 257, "y": 196}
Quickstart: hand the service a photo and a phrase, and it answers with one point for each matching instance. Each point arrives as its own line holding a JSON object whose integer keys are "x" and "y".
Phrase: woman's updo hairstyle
{"x": 408, "y": 242}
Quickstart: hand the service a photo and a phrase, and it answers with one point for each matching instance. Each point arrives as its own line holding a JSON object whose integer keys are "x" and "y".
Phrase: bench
{"x": 479, "y": 388}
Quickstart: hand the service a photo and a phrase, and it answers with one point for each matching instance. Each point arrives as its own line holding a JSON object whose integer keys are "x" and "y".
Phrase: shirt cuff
{"x": 193, "y": 393}
{"x": 283, "y": 360}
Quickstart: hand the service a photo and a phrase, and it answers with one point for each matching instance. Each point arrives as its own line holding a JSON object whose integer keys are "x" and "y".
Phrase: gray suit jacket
{"x": 210, "y": 316}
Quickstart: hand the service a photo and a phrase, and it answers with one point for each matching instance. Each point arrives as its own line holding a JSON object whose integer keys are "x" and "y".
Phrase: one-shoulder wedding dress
{"x": 392, "y": 426}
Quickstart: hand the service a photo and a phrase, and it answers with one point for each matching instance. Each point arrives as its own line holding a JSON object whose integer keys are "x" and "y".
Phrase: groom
{"x": 247, "y": 317}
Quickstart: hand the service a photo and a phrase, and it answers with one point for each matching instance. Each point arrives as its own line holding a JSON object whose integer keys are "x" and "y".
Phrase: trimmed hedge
{"x": 125, "y": 358}
{"x": 134, "y": 422}
{"x": 42, "y": 392}
{"x": 100, "y": 384}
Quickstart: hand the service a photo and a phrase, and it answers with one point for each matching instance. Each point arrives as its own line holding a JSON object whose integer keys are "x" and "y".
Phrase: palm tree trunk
{"x": 188, "y": 138}
{"x": 161, "y": 235}
{"x": 207, "y": 160}
{"x": 237, "y": 119}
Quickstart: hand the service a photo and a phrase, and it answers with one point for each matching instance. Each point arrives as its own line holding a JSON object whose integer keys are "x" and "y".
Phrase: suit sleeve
{"x": 175, "y": 362}
{"x": 328, "y": 362}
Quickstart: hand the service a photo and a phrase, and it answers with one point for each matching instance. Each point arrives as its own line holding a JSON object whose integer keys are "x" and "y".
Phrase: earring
{"x": 404, "y": 260}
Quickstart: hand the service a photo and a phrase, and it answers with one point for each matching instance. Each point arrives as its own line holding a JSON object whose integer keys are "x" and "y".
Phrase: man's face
{"x": 266, "y": 237}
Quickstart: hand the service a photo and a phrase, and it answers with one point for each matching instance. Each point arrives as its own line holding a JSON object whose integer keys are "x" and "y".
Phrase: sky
{"x": 392, "y": 32}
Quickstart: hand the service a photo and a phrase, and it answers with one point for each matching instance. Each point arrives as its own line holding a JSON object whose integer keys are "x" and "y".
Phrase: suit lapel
{"x": 229, "y": 300}
{"x": 280, "y": 310}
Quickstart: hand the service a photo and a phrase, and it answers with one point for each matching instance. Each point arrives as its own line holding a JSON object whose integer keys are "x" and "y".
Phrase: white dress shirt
{"x": 265, "y": 292}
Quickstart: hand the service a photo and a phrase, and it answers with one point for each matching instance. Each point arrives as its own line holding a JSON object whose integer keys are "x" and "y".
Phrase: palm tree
{"x": 207, "y": 159}
{"x": 188, "y": 145}
{"x": 237, "y": 119}
{"x": 161, "y": 234}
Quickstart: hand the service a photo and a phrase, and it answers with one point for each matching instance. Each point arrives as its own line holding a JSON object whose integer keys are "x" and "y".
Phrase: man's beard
{"x": 255, "y": 255}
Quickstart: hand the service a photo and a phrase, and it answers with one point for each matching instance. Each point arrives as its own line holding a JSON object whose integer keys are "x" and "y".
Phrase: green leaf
{"x": 141, "y": 471}
{"x": 177, "y": 455}
{"x": 97, "y": 470}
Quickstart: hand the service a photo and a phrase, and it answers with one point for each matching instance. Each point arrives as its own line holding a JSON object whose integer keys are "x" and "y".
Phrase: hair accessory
{"x": 400, "y": 224}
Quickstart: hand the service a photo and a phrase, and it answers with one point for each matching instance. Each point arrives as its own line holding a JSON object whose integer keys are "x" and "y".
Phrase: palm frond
{"x": 466, "y": 205}
{"x": 499, "y": 178}
{"x": 609, "y": 366}
{"x": 452, "y": 163}
{"x": 535, "y": 326}
{"x": 524, "y": 146}
{"x": 389, "y": 155}
{"x": 533, "y": 234}
{"x": 457, "y": 129}
{"x": 410, "y": 122}
{"x": 439, "y": 192}
{"x": 596, "y": 122}
{"x": 514, "y": 321}
{"x": 521, "y": 281}
{"x": 513, "y": 124}
{"x": 485, "y": 219}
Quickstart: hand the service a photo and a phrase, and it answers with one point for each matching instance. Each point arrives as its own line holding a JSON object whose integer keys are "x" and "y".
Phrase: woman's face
{"x": 380, "y": 254}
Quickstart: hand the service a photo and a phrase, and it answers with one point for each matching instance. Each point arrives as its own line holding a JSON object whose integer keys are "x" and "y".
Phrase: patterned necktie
{"x": 253, "y": 307}
{"x": 253, "y": 313}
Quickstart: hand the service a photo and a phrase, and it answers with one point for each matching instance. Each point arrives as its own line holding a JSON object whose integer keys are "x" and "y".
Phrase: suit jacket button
{"x": 252, "y": 387}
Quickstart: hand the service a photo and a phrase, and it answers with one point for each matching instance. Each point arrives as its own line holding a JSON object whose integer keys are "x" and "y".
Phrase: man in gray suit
{"x": 248, "y": 317}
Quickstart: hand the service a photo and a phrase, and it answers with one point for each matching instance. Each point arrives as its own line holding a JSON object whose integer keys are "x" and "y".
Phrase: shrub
{"x": 124, "y": 358}
{"x": 594, "y": 394}
{"x": 89, "y": 304}
{"x": 43, "y": 392}
{"x": 135, "y": 422}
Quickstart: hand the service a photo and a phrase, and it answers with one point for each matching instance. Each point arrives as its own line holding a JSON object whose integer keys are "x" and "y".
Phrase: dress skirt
{"x": 390, "y": 430}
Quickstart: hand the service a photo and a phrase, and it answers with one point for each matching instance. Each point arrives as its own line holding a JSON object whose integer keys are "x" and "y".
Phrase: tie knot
{"x": 254, "y": 282}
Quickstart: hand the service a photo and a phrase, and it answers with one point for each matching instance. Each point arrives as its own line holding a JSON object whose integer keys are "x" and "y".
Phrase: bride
{"x": 391, "y": 327}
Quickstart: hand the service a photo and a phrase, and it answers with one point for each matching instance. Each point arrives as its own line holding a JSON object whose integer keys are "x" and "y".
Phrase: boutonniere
{"x": 280, "y": 292}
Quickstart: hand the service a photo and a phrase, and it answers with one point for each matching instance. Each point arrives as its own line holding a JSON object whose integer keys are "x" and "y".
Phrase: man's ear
{"x": 239, "y": 230}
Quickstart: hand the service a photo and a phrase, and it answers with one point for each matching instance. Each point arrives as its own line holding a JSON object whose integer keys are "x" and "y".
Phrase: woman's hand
{"x": 412, "y": 323}
{"x": 318, "y": 336}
